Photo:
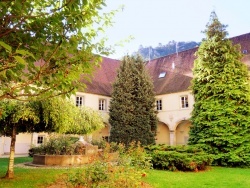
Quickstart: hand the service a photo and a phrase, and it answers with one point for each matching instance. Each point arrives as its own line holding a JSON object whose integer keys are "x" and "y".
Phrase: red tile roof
{"x": 103, "y": 77}
{"x": 175, "y": 80}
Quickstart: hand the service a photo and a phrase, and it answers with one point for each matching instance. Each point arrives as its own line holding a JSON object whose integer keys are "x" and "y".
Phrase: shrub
{"x": 127, "y": 172}
{"x": 183, "y": 158}
{"x": 59, "y": 145}
{"x": 102, "y": 174}
{"x": 135, "y": 155}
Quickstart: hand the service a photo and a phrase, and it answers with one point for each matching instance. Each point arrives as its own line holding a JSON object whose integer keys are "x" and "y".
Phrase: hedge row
{"x": 181, "y": 158}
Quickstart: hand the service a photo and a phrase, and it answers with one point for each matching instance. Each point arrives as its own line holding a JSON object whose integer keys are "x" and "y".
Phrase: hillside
{"x": 164, "y": 50}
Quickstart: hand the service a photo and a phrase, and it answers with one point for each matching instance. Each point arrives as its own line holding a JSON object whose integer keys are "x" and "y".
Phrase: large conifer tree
{"x": 221, "y": 114}
{"x": 132, "y": 108}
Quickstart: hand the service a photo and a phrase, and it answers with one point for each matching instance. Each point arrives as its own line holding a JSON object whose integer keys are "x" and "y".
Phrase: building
{"x": 174, "y": 100}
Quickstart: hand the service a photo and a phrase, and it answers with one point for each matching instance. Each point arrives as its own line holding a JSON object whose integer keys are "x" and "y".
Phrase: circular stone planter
{"x": 60, "y": 160}
{"x": 68, "y": 160}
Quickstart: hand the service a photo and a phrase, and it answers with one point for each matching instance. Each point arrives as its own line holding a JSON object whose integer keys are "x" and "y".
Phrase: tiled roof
{"x": 176, "y": 79}
{"x": 171, "y": 83}
{"x": 244, "y": 41}
{"x": 103, "y": 77}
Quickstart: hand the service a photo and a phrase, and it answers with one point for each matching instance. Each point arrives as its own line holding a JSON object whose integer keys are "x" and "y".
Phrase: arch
{"x": 163, "y": 134}
{"x": 103, "y": 133}
{"x": 182, "y": 132}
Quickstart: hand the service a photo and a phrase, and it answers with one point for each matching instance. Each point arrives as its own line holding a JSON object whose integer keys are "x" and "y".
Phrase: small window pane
{"x": 184, "y": 101}
{"x": 40, "y": 139}
{"x": 159, "y": 104}
{"x": 102, "y": 104}
{"x": 79, "y": 101}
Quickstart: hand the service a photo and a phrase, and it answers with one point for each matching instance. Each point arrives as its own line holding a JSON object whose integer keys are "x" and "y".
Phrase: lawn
{"x": 215, "y": 177}
{"x": 28, "y": 177}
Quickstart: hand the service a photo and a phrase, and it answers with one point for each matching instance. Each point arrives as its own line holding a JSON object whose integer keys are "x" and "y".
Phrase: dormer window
{"x": 244, "y": 51}
{"x": 162, "y": 74}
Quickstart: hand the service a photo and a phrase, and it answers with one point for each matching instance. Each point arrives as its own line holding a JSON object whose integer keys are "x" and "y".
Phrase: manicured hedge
{"x": 182, "y": 158}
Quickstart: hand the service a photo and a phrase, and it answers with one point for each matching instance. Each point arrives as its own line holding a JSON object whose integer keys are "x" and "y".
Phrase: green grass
{"x": 28, "y": 177}
{"x": 216, "y": 177}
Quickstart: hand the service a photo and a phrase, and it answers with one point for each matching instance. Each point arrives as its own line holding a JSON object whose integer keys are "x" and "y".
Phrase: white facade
{"x": 171, "y": 117}
{"x": 24, "y": 141}
{"x": 174, "y": 118}
{"x": 172, "y": 111}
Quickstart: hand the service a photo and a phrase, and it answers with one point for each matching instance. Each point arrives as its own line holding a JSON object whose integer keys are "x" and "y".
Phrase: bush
{"x": 240, "y": 157}
{"x": 183, "y": 158}
{"x": 59, "y": 145}
{"x": 100, "y": 143}
{"x": 126, "y": 172}
{"x": 102, "y": 174}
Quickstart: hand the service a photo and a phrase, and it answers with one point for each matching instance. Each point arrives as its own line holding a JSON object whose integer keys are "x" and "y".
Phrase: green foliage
{"x": 51, "y": 115}
{"x": 56, "y": 114}
{"x": 100, "y": 143}
{"x": 181, "y": 158}
{"x": 18, "y": 114}
{"x": 221, "y": 114}
{"x": 218, "y": 177}
{"x": 59, "y": 145}
{"x": 99, "y": 174}
{"x": 132, "y": 108}
{"x": 46, "y": 45}
{"x": 133, "y": 155}
{"x": 126, "y": 172}
{"x": 64, "y": 117}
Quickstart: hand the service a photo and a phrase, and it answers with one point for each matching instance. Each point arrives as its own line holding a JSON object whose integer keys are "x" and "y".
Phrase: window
{"x": 79, "y": 101}
{"x": 40, "y": 139}
{"x": 162, "y": 74}
{"x": 244, "y": 51}
{"x": 184, "y": 101}
{"x": 102, "y": 104}
{"x": 159, "y": 104}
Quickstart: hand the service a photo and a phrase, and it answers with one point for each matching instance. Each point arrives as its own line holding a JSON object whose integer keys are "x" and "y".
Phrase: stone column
{"x": 34, "y": 139}
{"x": 1, "y": 145}
{"x": 172, "y": 138}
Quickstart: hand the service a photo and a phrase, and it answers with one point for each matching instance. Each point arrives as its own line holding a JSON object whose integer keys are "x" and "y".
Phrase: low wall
{"x": 60, "y": 160}
{"x": 69, "y": 160}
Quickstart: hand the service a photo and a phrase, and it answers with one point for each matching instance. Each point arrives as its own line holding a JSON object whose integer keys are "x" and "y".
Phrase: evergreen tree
{"x": 132, "y": 108}
{"x": 221, "y": 114}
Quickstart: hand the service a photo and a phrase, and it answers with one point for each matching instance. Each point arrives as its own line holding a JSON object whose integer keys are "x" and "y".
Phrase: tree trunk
{"x": 10, "y": 172}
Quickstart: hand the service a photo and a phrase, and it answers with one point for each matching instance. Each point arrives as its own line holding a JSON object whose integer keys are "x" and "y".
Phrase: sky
{"x": 151, "y": 22}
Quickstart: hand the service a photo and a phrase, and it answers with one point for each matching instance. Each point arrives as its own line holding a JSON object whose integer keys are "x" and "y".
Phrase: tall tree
{"x": 46, "y": 45}
{"x": 132, "y": 108}
{"x": 221, "y": 114}
{"x": 53, "y": 115}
